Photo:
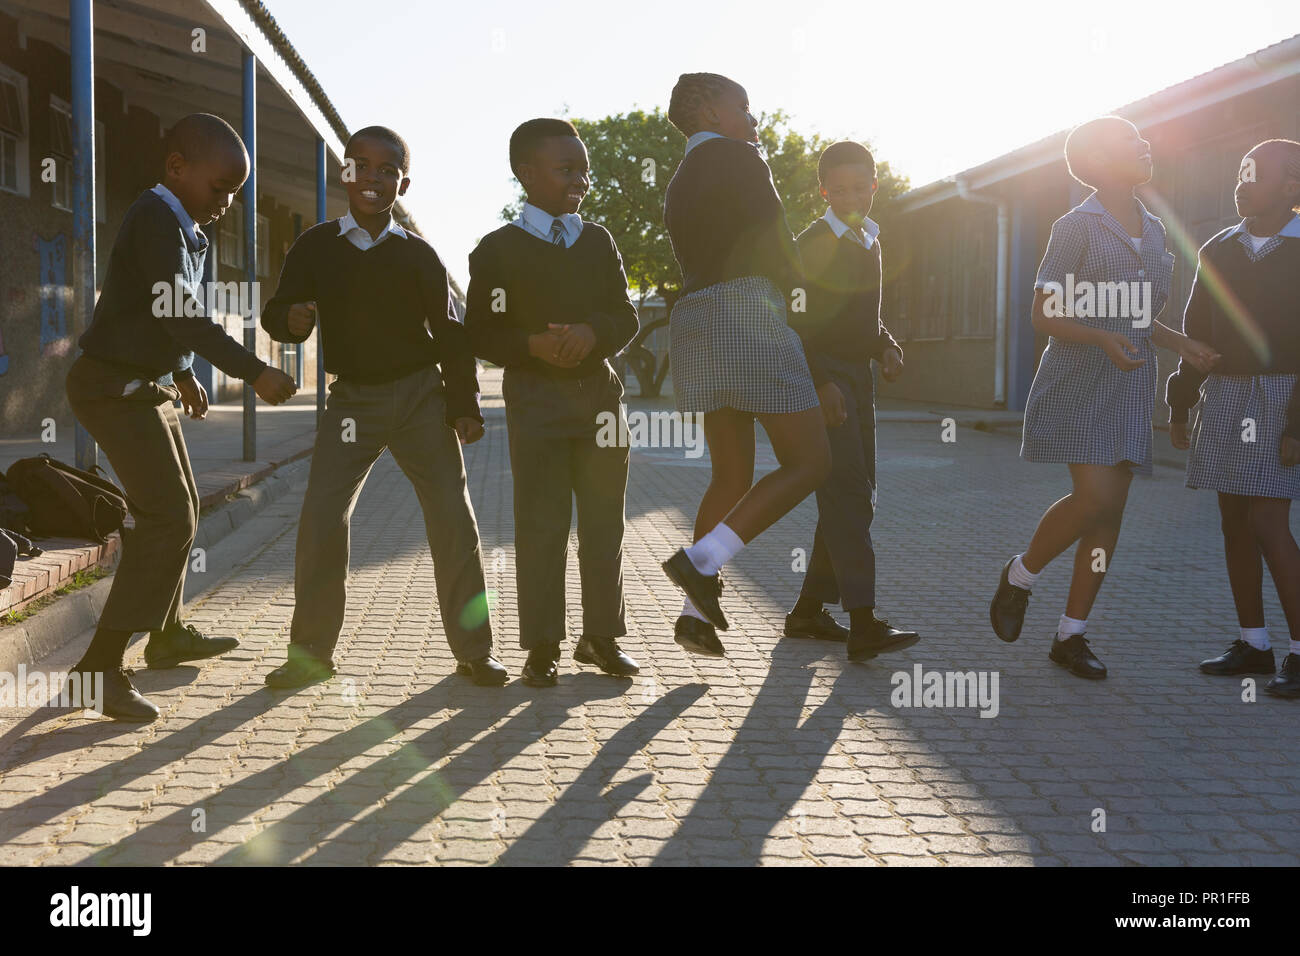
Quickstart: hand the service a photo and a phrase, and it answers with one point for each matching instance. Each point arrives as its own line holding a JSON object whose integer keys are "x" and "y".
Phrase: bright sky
{"x": 935, "y": 87}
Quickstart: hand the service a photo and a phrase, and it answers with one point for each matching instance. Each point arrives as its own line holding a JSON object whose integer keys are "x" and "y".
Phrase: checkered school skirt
{"x": 730, "y": 347}
{"x": 1083, "y": 410}
{"x": 1220, "y": 458}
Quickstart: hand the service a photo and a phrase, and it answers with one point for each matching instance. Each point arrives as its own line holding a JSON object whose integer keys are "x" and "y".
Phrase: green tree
{"x": 633, "y": 157}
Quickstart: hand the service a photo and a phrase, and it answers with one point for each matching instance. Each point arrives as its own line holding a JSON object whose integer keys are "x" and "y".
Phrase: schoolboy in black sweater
{"x": 548, "y": 301}
{"x": 382, "y": 298}
{"x": 135, "y": 362}
{"x": 842, "y": 332}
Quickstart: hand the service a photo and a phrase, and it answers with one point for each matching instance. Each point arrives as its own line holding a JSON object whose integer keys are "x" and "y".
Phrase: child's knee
{"x": 1099, "y": 512}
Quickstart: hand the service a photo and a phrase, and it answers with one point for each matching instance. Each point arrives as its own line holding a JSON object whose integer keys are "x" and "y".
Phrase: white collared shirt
{"x": 362, "y": 239}
{"x": 840, "y": 227}
{"x": 702, "y": 136}
{"x": 193, "y": 234}
{"x": 539, "y": 222}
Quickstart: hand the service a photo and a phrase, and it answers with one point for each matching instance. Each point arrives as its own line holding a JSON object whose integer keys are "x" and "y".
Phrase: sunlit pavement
{"x": 781, "y": 753}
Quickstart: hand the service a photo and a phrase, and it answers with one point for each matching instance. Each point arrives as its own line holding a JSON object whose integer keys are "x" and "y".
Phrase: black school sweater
{"x": 1267, "y": 295}
{"x": 372, "y": 307}
{"x": 518, "y": 283}
{"x": 151, "y": 248}
{"x": 725, "y": 219}
{"x": 842, "y": 317}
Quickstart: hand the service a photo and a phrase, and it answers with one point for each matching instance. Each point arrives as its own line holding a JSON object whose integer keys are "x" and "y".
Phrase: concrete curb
{"x": 71, "y": 615}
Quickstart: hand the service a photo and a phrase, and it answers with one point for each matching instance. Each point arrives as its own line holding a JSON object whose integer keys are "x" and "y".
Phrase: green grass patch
{"x": 80, "y": 579}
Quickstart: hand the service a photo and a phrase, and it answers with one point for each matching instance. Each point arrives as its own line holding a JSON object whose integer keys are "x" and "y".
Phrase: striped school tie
{"x": 557, "y": 232}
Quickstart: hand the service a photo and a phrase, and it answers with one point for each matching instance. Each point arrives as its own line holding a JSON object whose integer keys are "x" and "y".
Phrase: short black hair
{"x": 388, "y": 136}
{"x": 202, "y": 135}
{"x": 692, "y": 91}
{"x": 1081, "y": 141}
{"x": 844, "y": 153}
{"x": 529, "y": 134}
{"x": 1290, "y": 151}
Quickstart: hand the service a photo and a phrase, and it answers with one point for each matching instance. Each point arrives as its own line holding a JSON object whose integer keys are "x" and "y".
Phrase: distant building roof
{"x": 1261, "y": 68}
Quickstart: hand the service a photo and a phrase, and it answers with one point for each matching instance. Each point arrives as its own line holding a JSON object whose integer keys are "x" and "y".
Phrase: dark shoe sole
{"x": 499, "y": 680}
{"x": 703, "y": 650}
{"x": 125, "y": 718}
{"x": 1284, "y": 695}
{"x": 836, "y": 638}
{"x": 1085, "y": 674}
{"x": 280, "y": 685}
{"x": 1236, "y": 672}
{"x": 540, "y": 681}
{"x": 591, "y": 660}
{"x": 165, "y": 663}
{"x": 706, "y": 603}
{"x": 901, "y": 644}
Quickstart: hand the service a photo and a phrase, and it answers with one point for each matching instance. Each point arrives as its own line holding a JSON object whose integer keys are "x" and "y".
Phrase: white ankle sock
{"x": 1295, "y": 647}
{"x": 1256, "y": 637}
{"x": 690, "y": 610}
{"x": 1019, "y": 576}
{"x": 1069, "y": 626}
{"x": 715, "y": 549}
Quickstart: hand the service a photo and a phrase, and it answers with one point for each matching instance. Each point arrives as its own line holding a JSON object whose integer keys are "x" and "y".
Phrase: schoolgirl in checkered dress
{"x": 1082, "y": 407}
{"x": 733, "y": 354}
{"x": 1245, "y": 439}
{"x": 1102, "y": 285}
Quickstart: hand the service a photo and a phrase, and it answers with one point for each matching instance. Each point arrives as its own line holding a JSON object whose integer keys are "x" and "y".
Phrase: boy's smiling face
{"x": 850, "y": 190}
{"x": 1263, "y": 185}
{"x": 379, "y": 179}
{"x": 207, "y": 186}
{"x": 557, "y": 175}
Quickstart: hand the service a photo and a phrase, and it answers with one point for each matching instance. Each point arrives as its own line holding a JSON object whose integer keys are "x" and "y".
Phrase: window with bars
{"x": 13, "y": 133}
{"x": 61, "y": 152}
{"x": 230, "y": 237}
{"x": 263, "y": 246}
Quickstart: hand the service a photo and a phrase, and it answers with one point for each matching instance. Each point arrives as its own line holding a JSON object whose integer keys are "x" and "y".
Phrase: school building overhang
{"x": 147, "y": 49}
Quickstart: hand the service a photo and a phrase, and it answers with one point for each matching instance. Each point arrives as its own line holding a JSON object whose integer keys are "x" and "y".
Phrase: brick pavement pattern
{"x": 781, "y": 753}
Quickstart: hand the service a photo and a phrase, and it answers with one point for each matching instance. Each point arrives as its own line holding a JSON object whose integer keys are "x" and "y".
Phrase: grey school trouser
{"x": 407, "y": 418}
{"x": 555, "y": 458}
{"x": 842, "y": 569}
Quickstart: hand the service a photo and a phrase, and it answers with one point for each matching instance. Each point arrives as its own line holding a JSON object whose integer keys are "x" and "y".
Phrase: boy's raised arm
{"x": 490, "y": 335}
{"x": 616, "y": 324}
{"x": 814, "y": 256}
{"x": 884, "y": 340}
{"x": 295, "y": 286}
{"x": 456, "y": 360}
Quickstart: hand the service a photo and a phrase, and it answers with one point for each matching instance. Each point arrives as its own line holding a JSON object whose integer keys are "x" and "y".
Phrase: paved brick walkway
{"x": 779, "y": 753}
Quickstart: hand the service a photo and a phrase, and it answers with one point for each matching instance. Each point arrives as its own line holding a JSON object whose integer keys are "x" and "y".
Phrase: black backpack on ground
{"x": 63, "y": 501}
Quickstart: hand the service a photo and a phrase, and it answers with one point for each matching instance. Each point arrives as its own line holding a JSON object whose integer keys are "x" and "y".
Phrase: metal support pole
{"x": 249, "y": 133}
{"x": 81, "y": 36}
{"x": 320, "y": 217}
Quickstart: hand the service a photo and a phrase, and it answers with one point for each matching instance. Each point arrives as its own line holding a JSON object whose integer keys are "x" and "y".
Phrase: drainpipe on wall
{"x": 1003, "y": 269}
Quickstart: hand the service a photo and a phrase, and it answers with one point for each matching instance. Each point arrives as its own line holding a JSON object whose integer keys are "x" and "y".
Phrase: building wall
{"x": 942, "y": 290}
{"x": 939, "y": 302}
{"x": 38, "y": 330}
